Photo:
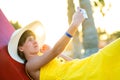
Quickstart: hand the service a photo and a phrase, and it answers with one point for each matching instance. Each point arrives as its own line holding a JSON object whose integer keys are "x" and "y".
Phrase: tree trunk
{"x": 90, "y": 36}
{"x": 76, "y": 45}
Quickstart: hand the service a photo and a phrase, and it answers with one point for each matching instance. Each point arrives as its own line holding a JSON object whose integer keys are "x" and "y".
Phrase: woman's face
{"x": 30, "y": 46}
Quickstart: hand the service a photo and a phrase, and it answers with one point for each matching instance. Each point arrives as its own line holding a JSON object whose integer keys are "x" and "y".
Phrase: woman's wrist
{"x": 68, "y": 35}
{"x": 72, "y": 29}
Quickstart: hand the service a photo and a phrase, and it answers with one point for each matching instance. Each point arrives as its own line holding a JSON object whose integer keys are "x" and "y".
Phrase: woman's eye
{"x": 31, "y": 39}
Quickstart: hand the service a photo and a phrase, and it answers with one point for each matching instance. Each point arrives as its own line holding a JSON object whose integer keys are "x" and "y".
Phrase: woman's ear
{"x": 20, "y": 48}
{"x": 45, "y": 48}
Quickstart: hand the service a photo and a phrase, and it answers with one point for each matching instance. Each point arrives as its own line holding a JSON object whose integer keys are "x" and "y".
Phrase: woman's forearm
{"x": 65, "y": 39}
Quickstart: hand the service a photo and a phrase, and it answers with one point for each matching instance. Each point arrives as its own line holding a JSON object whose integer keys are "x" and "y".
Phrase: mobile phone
{"x": 83, "y": 11}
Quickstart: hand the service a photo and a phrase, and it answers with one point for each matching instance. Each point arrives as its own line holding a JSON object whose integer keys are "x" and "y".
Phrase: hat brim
{"x": 35, "y": 27}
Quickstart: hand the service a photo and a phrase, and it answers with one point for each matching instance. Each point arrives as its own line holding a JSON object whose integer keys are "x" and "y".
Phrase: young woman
{"x": 43, "y": 63}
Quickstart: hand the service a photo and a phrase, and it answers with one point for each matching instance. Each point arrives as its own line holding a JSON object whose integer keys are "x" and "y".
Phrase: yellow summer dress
{"x": 103, "y": 65}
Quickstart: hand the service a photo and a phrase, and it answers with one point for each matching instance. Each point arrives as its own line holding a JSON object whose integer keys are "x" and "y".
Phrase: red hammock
{"x": 9, "y": 69}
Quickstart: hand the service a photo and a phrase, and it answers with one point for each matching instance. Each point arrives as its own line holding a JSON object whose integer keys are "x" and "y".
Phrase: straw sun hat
{"x": 35, "y": 27}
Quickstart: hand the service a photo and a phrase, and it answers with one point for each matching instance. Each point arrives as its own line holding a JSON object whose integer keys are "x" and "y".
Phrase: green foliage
{"x": 16, "y": 25}
{"x": 101, "y": 31}
{"x": 110, "y": 37}
{"x": 116, "y": 34}
{"x": 101, "y": 4}
{"x": 95, "y": 4}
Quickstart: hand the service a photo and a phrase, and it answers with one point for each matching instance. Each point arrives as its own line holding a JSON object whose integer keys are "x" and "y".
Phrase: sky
{"x": 53, "y": 15}
{"x": 110, "y": 22}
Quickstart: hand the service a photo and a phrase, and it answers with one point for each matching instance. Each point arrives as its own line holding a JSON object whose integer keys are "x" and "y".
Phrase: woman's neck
{"x": 31, "y": 56}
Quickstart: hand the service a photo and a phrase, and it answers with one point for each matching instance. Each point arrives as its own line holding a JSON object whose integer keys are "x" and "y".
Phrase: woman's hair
{"x": 22, "y": 40}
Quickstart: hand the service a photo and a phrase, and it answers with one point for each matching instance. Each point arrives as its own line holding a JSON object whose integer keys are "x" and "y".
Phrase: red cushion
{"x": 9, "y": 68}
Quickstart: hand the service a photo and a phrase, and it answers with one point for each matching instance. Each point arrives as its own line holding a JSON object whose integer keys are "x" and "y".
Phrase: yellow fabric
{"x": 104, "y": 65}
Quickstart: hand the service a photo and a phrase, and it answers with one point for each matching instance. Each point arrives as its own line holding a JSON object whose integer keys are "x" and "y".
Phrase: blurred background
{"x": 101, "y": 28}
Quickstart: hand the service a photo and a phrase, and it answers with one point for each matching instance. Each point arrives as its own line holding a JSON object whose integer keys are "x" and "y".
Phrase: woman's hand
{"x": 77, "y": 17}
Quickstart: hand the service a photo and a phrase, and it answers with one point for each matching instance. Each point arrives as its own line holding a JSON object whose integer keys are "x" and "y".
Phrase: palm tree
{"x": 76, "y": 45}
{"x": 16, "y": 25}
{"x": 90, "y": 36}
